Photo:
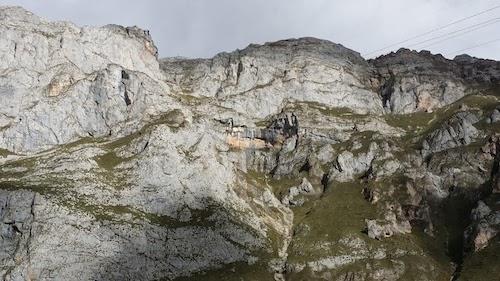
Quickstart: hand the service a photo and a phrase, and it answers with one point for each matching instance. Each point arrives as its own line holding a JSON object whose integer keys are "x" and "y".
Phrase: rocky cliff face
{"x": 117, "y": 165}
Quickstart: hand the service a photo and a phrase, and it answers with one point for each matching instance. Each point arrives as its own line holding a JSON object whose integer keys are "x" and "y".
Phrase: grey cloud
{"x": 202, "y": 28}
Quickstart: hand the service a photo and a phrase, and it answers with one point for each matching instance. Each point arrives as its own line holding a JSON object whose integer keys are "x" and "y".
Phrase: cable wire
{"x": 434, "y": 30}
{"x": 456, "y": 33}
{"x": 475, "y": 46}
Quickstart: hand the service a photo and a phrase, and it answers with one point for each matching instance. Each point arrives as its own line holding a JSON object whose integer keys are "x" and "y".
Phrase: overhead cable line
{"x": 433, "y": 30}
{"x": 475, "y": 46}
{"x": 456, "y": 33}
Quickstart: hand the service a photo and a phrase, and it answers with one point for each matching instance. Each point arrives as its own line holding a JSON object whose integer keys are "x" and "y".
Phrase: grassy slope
{"x": 338, "y": 214}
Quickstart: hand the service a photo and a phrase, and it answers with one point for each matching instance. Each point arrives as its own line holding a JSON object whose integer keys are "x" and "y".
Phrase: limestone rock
{"x": 457, "y": 131}
{"x": 485, "y": 226}
{"x": 305, "y": 187}
{"x": 495, "y": 116}
{"x": 349, "y": 165}
{"x": 258, "y": 80}
{"x": 392, "y": 224}
{"x": 116, "y": 165}
{"x": 64, "y": 82}
{"x": 419, "y": 81}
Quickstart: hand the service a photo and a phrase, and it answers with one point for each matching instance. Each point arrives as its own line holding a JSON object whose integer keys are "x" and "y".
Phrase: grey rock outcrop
{"x": 127, "y": 209}
{"x": 307, "y": 70}
{"x": 303, "y": 188}
{"x": 117, "y": 165}
{"x": 393, "y": 223}
{"x": 495, "y": 116}
{"x": 457, "y": 131}
{"x": 419, "y": 81}
{"x": 485, "y": 226}
{"x": 62, "y": 82}
{"x": 348, "y": 164}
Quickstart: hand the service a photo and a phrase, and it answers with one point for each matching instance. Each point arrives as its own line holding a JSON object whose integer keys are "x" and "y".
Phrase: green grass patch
{"x": 410, "y": 122}
{"x": 307, "y": 107}
{"x": 187, "y": 98}
{"x": 39, "y": 188}
{"x": 18, "y": 168}
{"x": 234, "y": 271}
{"x": 277, "y": 186}
{"x": 5, "y": 152}
{"x": 109, "y": 160}
{"x": 483, "y": 265}
{"x": 341, "y": 214}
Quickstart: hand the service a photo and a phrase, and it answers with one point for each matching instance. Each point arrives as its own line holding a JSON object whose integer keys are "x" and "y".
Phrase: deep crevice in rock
{"x": 126, "y": 97}
{"x": 387, "y": 90}
{"x": 324, "y": 182}
{"x": 306, "y": 167}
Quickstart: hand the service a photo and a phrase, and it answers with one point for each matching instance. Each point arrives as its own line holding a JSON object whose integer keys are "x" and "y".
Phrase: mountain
{"x": 291, "y": 160}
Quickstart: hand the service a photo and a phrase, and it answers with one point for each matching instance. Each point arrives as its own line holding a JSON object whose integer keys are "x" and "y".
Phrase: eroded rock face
{"x": 289, "y": 199}
{"x": 260, "y": 79}
{"x": 486, "y": 225}
{"x": 457, "y": 131}
{"x": 61, "y": 82}
{"x": 419, "y": 81}
{"x": 349, "y": 165}
{"x": 119, "y": 164}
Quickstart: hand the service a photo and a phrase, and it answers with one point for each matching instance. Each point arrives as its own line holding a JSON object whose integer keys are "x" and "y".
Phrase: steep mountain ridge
{"x": 117, "y": 165}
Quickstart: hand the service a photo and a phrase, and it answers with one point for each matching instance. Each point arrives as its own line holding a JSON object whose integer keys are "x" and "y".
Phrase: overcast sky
{"x": 202, "y": 28}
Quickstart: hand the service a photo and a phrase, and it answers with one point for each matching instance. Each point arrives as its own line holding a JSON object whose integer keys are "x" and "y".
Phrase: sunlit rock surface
{"x": 292, "y": 160}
